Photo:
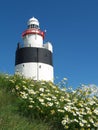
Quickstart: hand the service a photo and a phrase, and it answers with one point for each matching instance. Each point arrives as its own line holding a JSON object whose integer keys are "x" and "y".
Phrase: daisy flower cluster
{"x": 75, "y": 110}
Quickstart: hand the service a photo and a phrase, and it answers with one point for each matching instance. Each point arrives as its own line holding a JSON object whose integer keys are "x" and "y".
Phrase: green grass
{"x": 29, "y": 105}
{"x": 10, "y": 118}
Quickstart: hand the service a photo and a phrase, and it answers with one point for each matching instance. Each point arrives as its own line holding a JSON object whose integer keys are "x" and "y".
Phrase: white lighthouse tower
{"x": 33, "y": 58}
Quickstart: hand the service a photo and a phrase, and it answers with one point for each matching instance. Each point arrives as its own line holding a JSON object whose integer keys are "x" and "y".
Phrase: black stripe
{"x": 32, "y": 54}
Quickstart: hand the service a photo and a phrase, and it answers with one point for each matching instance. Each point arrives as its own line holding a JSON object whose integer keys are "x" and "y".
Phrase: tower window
{"x": 33, "y": 26}
{"x": 39, "y": 66}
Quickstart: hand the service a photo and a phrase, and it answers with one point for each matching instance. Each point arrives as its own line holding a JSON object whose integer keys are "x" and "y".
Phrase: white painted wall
{"x": 33, "y": 40}
{"x": 36, "y": 71}
{"x": 48, "y": 46}
{"x": 45, "y": 72}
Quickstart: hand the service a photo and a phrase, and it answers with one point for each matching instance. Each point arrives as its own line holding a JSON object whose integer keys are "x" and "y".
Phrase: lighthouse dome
{"x": 33, "y": 23}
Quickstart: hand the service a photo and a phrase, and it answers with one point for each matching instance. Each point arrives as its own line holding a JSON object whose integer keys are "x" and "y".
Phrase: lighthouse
{"x": 33, "y": 59}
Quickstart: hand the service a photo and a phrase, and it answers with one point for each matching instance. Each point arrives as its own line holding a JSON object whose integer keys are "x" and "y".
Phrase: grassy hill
{"x": 13, "y": 115}
{"x": 10, "y": 118}
{"x": 26, "y": 104}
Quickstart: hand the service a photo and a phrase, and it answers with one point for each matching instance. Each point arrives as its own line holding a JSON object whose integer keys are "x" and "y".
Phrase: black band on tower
{"x": 32, "y": 54}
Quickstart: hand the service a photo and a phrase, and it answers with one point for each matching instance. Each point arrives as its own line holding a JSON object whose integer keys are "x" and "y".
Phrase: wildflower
{"x": 65, "y": 79}
{"x": 13, "y": 90}
{"x": 41, "y": 94}
{"x": 47, "y": 90}
{"x": 42, "y": 103}
{"x": 24, "y": 81}
{"x": 53, "y": 86}
{"x": 62, "y": 97}
{"x": 87, "y": 108}
{"x": 66, "y": 127}
{"x": 96, "y": 124}
{"x": 79, "y": 104}
{"x": 41, "y": 89}
{"x": 56, "y": 103}
{"x": 48, "y": 94}
{"x": 49, "y": 99}
{"x": 7, "y": 76}
{"x": 64, "y": 122}
{"x": 31, "y": 85}
{"x": 75, "y": 120}
{"x": 75, "y": 108}
{"x": 25, "y": 88}
{"x": 74, "y": 114}
{"x": 84, "y": 121}
{"x": 96, "y": 111}
{"x": 52, "y": 112}
{"x": 66, "y": 99}
{"x": 57, "y": 91}
{"x": 95, "y": 98}
{"x": 32, "y": 101}
{"x": 88, "y": 125}
{"x": 91, "y": 120}
{"x": 78, "y": 113}
{"x": 92, "y": 102}
{"x": 42, "y": 82}
{"x": 30, "y": 106}
{"x": 89, "y": 112}
{"x": 49, "y": 104}
{"x": 67, "y": 108}
{"x": 81, "y": 124}
{"x": 60, "y": 110}
{"x": 63, "y": 89}
{"x": 31, "y": 91}
{"x": 17, "y": 87}
{"x": 30, "y": 98}
{"x": 12, "y": 81}
{"x": 54, "y": 97}
{"x": 41, "y": 100}
{"x": 23, "y": 95}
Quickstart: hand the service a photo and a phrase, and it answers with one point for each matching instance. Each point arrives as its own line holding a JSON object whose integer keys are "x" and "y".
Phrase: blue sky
{"x": 72, "y": 28}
